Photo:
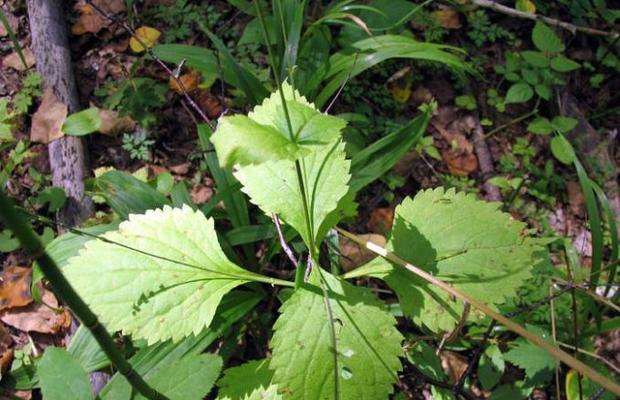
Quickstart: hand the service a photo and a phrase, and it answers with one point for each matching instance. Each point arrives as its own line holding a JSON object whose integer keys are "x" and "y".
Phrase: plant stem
{"x": 20, "y": 228}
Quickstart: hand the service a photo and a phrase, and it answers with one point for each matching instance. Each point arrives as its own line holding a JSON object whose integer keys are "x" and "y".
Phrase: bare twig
{"x": 285, "y": 246}
{"x": 594, "y": 355}
{"x": 155, "y": 58}
{"x": 537, "y": 17}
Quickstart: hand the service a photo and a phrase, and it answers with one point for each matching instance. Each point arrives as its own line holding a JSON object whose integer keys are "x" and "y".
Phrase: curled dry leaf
{"x": 209, "y": 103}
{"x": 452, "y": 126}
{"x": 447, "y": 17}
{"x": 112, "y": 124}
{"x": 353, "y": 255}
{"x": 460, "y": 161}
{"x": 201, "y": 194}
{"x": 180, "y": 169}
{"x": 6, "y": 352}
{"x": 190, "y": 82}
{"x": 48, "y": 119}
{"x": 42, "y": 317}
{"x": 13, "y": 61}
{"x": 15, "y": 287}
{"x": 90, "y": 21}
{"x": 380, "y": 220}
{"x": 454, "y": 364}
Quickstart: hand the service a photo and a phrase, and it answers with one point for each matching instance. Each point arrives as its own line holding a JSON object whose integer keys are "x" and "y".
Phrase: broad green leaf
{"x": 82, "y": 123}
{"x": 543, "y": 91}
{"x": 188, "y": 378}
{"x": 540, "y": 126}
{"x": 564, "y": 124}
{"x": 545, "y": 39}
{"x": 274, "y": 187}
{"x": 148, "y": 360}
{"x": 562, "y": 149}
{"x": 52, "y": 195}
{"x": 167, "y": 289}
{"x": 127, "y": 195}
{"x": 535, "y": 58}
{"x": 199, "y": 58}
{"x": 363, "y": 363}
{"x": 62, "y": 377}
{"x": 528, "y": 356}
{"x": 519, "y": 93}
{"x": 464, "y": 241}
{"x": 241, "y": 382}
{"x": 564, "y": 64}
{"x": 265, "y": 135}
{"x": 86, "y": 350}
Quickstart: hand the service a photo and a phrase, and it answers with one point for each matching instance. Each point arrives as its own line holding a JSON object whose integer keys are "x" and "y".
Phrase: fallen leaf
{"x": 13, "y": 60}
{"x": 209, "y": 103}
{"x": 460, "y": 163}
{"x": 576, "y": 200}
{"x": 112, "y": 124}
{"x": 15, "y": 287}
{"x": 147, "y": 35}
{"x": 180, "y": 169}
{"x": 6, "y": 352}
{"x": 421, "y": 95}
{"x": 399, "y": 85}
{"x": 454, "y": 364}
{"x": 38, "y": 317}
{"x": 380, "y": 220}
{"x": 352, "y": 255}
{"x": 90, "y": 21}
{"x": 459, "y": 156}
{"x": 201, "y": 194}
{"x": 526, "y": 6}
{"x": 447, "y": 18}
{"x": 190, "y": 82}
{"x": 48, "y": 119}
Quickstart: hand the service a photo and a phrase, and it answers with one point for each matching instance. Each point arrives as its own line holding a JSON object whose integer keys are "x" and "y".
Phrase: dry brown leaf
{"x": 201, "y": 194}
{"x": 48, "y": 119}
{"x": 13, "y": 60}
{"x": 180, "y": 169}
{"x": 112, "y": 124}
{"x": 353, "y": 255}
{"x": 36, "y": 317}
{"x": 460, "y": 163}
{"x": 190, "y": 82}
{"x": 90, "y": 21}
{"x": 380, "y": 220}
{"x": 148, "y": 37}
{"x": 209, "y": 103}
{"x": 15, "y": 287}
{"x": 454, "y": 364}
{"x": 6, "y": 352}
{"x": 576, "y": 200}
{"x": 447, "y": 17}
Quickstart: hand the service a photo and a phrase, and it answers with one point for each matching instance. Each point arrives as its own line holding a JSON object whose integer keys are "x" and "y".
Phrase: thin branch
{"x": 155, "y": 58}
{"x": 285, "y": 246}
{"x": 588, "y": 353}
{"x": 537, "y": 17}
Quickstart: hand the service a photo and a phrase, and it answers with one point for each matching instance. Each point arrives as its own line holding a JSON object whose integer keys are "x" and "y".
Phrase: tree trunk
{"x": 53, "y": 59}
{"x": 68, "y": 159}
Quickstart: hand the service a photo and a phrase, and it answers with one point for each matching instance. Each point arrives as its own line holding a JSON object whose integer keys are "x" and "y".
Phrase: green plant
{"x": 182, "y": 18}
{"x": 482, "y": 30}
{"x": 30, "y": 89}
{"x": 534, "y": 72}
{"x": 138, "y": 146}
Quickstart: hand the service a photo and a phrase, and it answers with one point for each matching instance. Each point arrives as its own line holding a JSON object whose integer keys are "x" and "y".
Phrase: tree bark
{"x": 68, "y": 158}
{"x": 67, "y": 155}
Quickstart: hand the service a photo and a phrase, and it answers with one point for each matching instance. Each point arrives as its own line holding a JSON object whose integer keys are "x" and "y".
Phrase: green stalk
{"x": 20, "y": 228}
{"x": 13, "y": 38}
{"x": 300, "y": 179}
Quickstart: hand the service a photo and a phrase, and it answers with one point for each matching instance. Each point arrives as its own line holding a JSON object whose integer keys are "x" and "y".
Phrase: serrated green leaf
{"x": 82, "y": 123}
{"x": 364, "y": 362}
{"x": 168, "y": 296}
{"x": 528, "y": 356}
{"x": 540, "y": 126}
{"x": 273, "y": 186}
{"x": 188, "y": 378}
{"x": 562, "y": 149}
{"x": 563, "y": 124}
{"x": 535, "y": 58}
{"x": 242, "y": 382}
{"x": 464, "y": 241}
{"x": 545, "y": 39}
{"x": 519, "y": 93}
{"x": 564, "y": 64}
{"x": 62, "y": 377}
{"x": 55, "y": 196}
{"x": 264, "y": 135}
